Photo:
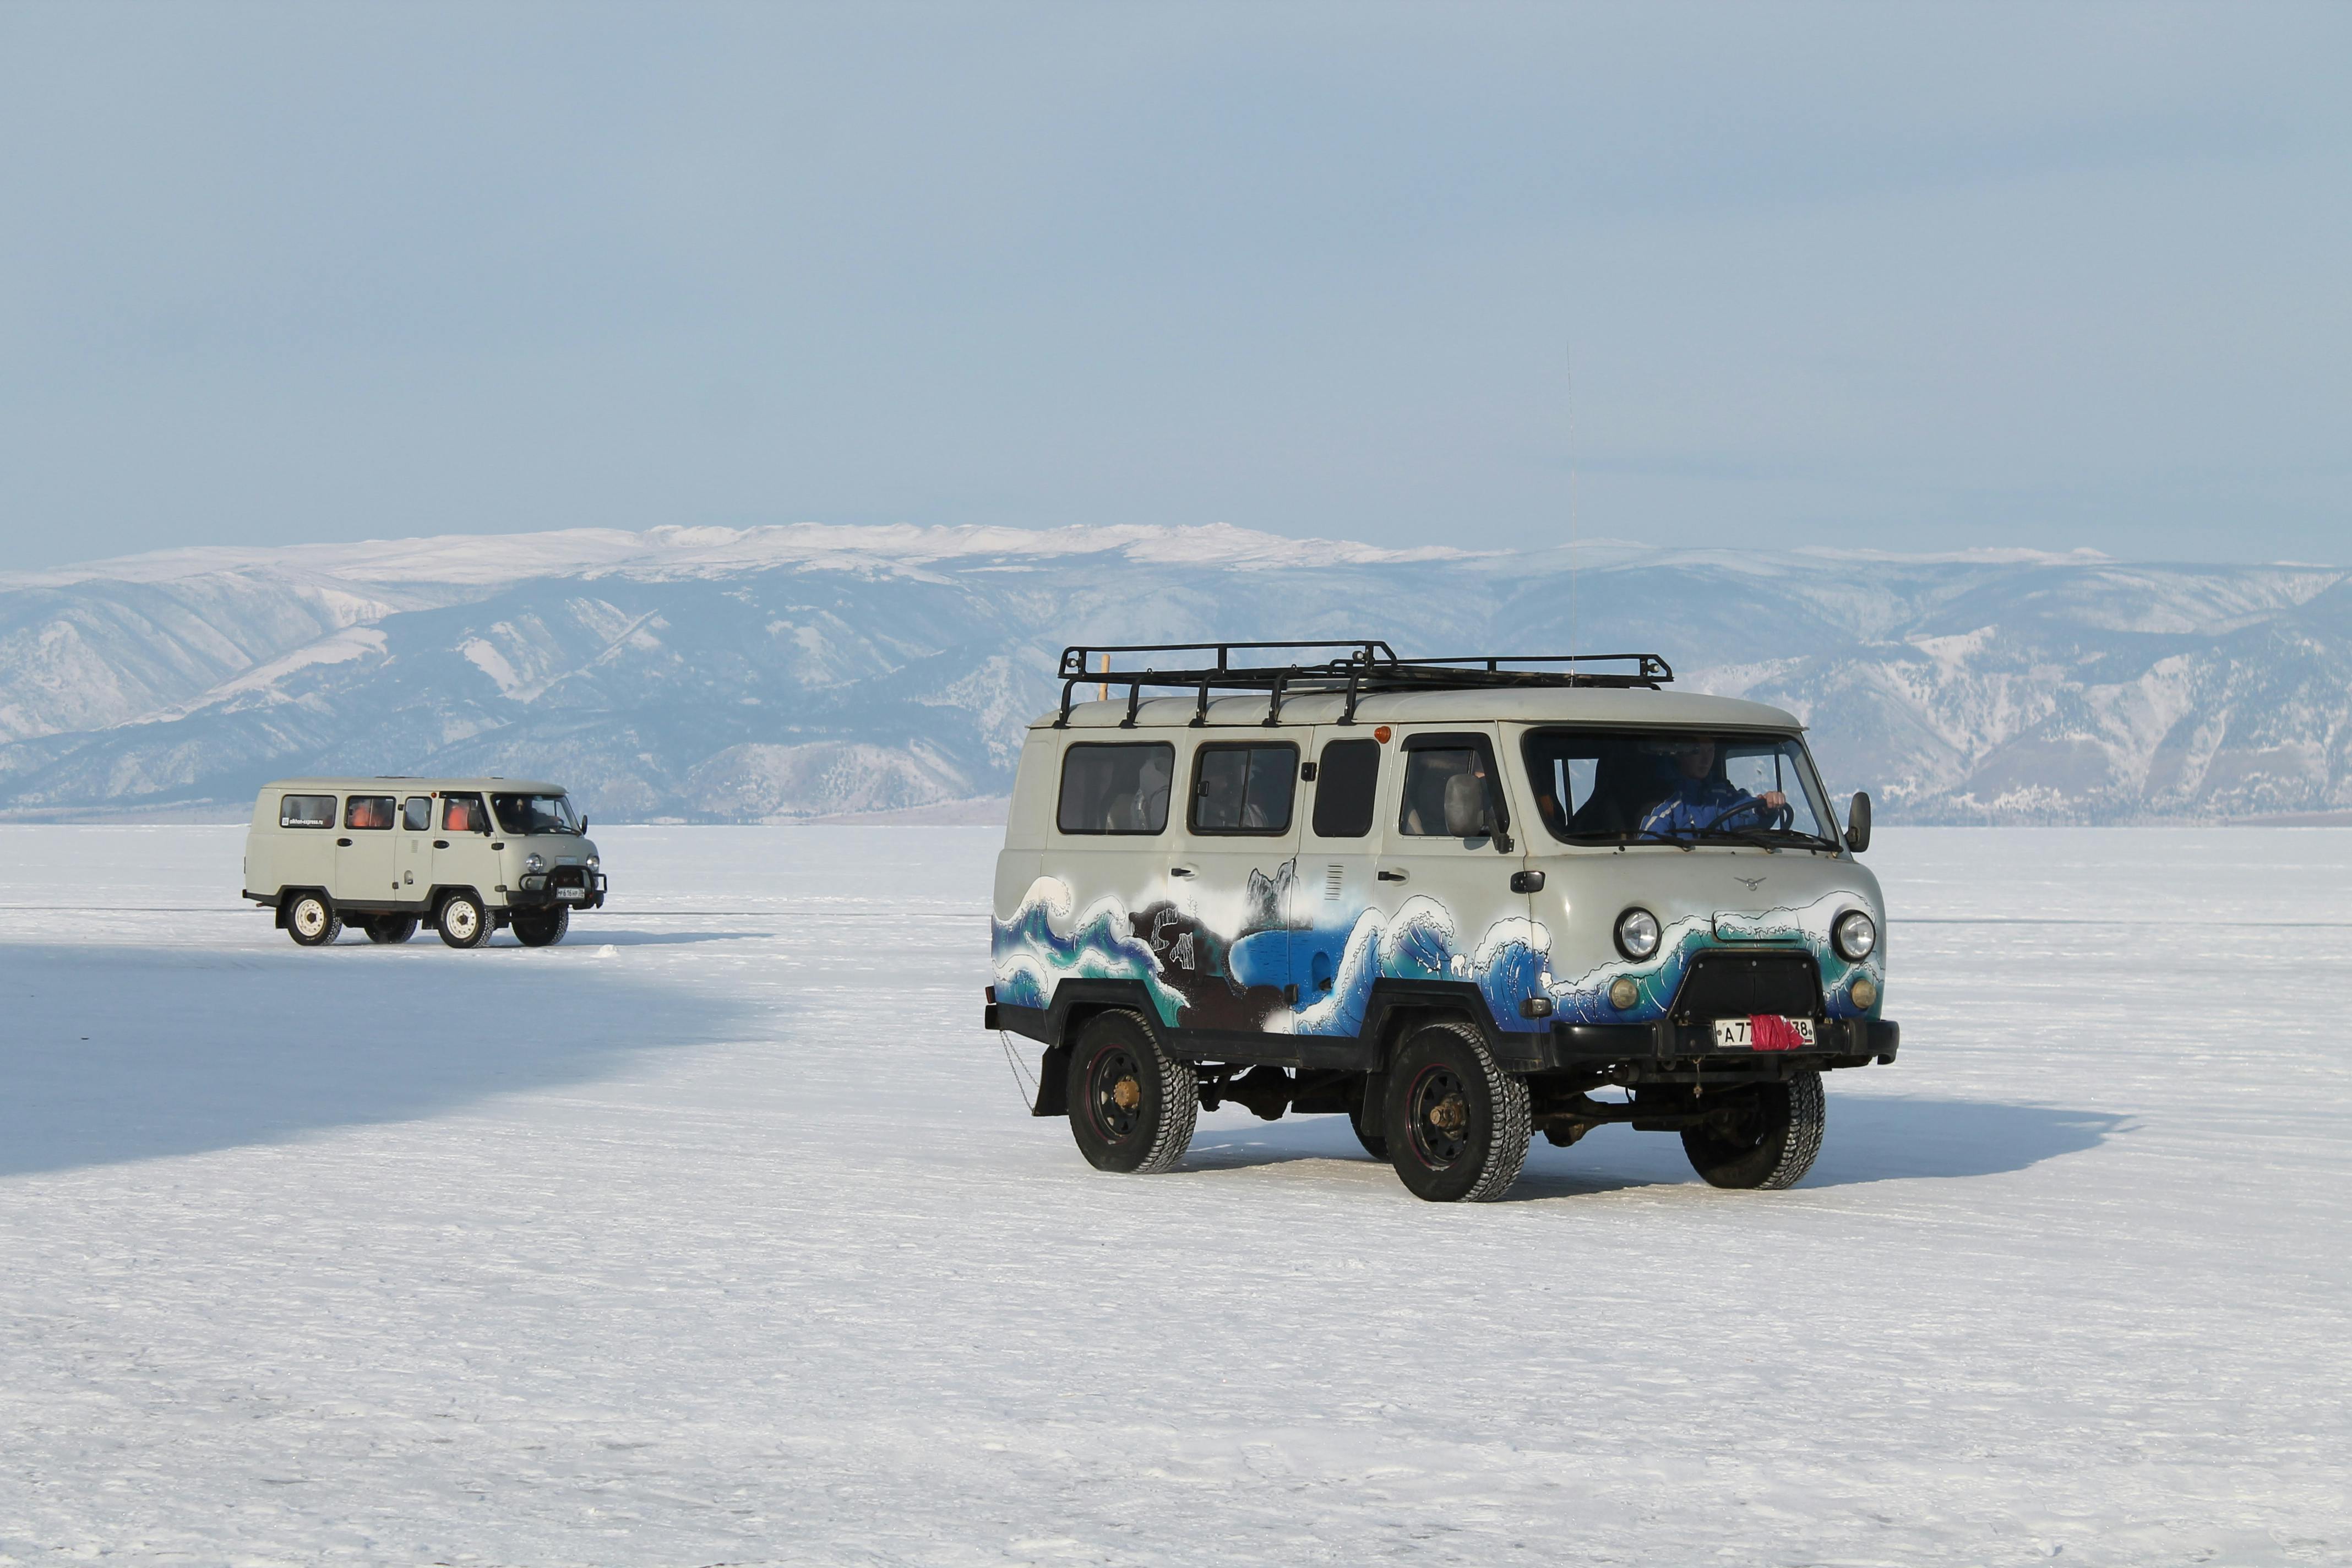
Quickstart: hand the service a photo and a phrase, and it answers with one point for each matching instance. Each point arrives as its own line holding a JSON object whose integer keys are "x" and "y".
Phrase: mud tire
{"x": 1115, "y": 1056}
{"x": 311, "y": 919}
{"x": 1771, "y": 1145}
{"x": 462, "y": 922}
{"x": 1456, "y": 1124}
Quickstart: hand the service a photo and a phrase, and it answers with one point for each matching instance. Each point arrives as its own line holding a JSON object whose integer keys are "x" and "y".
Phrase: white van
{"x": 465, "y": 857}
{"x": 1451, "y": 898}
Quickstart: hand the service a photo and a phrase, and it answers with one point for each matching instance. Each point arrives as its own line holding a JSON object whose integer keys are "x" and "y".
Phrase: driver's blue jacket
{"x": 1695, "y": 805}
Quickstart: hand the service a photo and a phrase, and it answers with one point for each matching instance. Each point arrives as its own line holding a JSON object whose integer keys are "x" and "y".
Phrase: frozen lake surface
{"x": 717, "y": 1235}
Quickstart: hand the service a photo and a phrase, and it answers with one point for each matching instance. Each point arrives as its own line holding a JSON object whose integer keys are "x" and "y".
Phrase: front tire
{"x": 390, "y": 930}
{"x": 540, "y": 928}
{"x": 1457, "y": 1126}
{"x": 1767, "y": 1140}
{"x": 464, "y": 923}
{"x": 312, "y": 921}
{"x": 1132, "y": 1105}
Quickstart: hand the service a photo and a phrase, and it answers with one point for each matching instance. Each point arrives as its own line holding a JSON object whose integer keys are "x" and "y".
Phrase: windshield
{"x": 1599, "y": 786}
{"x": 528, "y": 813}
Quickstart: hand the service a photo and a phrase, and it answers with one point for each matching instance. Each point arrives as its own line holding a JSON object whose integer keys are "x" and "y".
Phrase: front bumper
{"x": 1841, "y": 1042}
{"x": 565, "y": 888}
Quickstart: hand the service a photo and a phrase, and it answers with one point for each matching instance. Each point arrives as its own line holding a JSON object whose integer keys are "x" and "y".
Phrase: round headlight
{"x": 535, "y": 863}
{"x": 1855, "y": 936}
{"x": 594, "y": 861}
{"x": 1637, "y": 934}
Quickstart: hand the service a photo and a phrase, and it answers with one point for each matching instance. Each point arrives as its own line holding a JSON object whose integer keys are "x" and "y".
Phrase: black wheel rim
{"x": 1437, "y": 1108}
{"x": 1114, "y": 1094}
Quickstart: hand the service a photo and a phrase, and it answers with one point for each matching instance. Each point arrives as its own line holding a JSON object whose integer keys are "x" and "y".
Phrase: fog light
{"x": 1623, "y": 993}
{"x": 1863, "y": 992}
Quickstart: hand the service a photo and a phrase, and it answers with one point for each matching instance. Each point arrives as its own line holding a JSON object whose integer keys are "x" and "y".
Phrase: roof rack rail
{"x": 1358, "y": 667}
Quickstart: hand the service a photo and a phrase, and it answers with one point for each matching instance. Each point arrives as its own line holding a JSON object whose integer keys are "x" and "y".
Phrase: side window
{"x": 417, "y": 814}
{"x": 1244, "y": 789}
{"x": 1115, "y": 789}
{"x": 306, "y": 811}
{"x": 1344, "y": 783}
{"x": 1449, "y": 792}
{"x": 464, "y": 814}
{"x": 368, "y": 811}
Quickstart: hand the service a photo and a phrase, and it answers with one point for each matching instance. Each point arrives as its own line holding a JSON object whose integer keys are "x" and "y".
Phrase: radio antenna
{"x": 1567, "y": 435}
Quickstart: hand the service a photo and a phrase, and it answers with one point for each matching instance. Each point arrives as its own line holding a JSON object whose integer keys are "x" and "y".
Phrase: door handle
{"x": 1392, "y": 875}
{"x": 1527, "y": 882}
{"x": 440, "y": 843}
{"x": 1180, "y": 870}
{"x": 343, "y": 843}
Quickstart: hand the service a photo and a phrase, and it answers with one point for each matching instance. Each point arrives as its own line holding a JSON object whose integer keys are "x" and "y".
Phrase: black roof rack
{"x": 1359, "y": 666}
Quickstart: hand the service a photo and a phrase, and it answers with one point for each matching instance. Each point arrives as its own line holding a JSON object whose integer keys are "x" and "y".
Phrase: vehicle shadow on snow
{"x": 663, "y": 939}
{"x": 1870, "y": 1139}
{"x": 117, "y": 1054}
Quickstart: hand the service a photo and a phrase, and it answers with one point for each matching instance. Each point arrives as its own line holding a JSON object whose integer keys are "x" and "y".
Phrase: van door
{"x": 462, "y": 856}
{"x": 1231, "y": 871}
{"x": 1447, "y": 872}
{"x": 1335, "y": 887}
{"x": 365, "y": 851}
{"x": 415, "y": 859}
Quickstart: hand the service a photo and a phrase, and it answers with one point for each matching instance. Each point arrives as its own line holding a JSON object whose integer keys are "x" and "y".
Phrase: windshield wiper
{"x": 1736, "y": 835}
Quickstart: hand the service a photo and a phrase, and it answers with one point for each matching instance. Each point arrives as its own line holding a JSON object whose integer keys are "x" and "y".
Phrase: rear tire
{"x": 540, "y": 928}
{"x": 464, "y": 923}
{"x": 312, "y": 921}
{"x": 1770, "y": 1142}
{"x": 1132, "y": 1105}
{"x": 1457, "y": 1126}
{"x": 390, "y": 930}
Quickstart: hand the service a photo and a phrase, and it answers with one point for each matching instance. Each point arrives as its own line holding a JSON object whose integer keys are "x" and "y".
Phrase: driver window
{"x": 1448, "y": 793}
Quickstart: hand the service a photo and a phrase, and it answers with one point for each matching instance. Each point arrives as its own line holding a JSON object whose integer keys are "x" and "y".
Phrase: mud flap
{"x": 1053, "y": 1082}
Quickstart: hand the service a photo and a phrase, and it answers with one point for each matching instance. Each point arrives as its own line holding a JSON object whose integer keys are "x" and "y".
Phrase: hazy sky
{"x": 1862, "y": 275}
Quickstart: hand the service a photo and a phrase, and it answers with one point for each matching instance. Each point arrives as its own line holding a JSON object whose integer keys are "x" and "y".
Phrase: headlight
{"x": 1855, "y": 936}
{"x": 593, "y": 862}
{"x": 1637, "y": 934}
{"x": 535, "y": 863}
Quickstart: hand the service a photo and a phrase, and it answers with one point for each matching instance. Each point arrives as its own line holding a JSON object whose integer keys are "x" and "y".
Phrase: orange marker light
{"x": 1381, "y": 733}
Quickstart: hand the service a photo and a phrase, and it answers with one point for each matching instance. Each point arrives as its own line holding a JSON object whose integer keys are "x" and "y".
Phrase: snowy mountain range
{"x": 801, "y": 672}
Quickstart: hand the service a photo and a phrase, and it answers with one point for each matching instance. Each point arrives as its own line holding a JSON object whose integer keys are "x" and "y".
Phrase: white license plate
{"x": 1764, "y": 1032}
{"x": 571, "y": 893}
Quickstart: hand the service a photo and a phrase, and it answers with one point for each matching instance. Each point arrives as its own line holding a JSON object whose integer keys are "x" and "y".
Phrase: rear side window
{"x": 1344, "y": 782}
{"x": 464, "y": 814}
{"x": 368, "y": 811}
{"x": 306, "y": 811}
{"x": 1115, "y": 789}
{"x": 1244, "y": 789}
{"x": 417, "y": 814}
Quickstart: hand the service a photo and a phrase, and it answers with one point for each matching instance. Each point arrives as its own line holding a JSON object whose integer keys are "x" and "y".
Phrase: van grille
{"x": 1725, "y": 985}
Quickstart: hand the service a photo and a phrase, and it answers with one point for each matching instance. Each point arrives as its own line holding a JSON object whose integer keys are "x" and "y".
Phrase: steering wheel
{"x": 1768, "y": 817}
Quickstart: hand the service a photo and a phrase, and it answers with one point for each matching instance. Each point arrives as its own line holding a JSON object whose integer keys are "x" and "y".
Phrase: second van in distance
{"x": 463, "y": 856}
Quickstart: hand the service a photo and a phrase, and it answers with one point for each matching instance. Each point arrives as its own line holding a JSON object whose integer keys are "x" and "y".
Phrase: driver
{"x": 1702, "y": 797}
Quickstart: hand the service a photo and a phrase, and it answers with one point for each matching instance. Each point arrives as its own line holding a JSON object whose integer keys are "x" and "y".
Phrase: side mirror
{"x": 1857, "y": 822}
{"x": 584, "y": 827}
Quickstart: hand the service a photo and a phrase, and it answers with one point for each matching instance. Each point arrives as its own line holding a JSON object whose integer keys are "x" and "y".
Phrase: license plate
{"x": 571, "y": 893}
{"x": 1764, "y": 1032}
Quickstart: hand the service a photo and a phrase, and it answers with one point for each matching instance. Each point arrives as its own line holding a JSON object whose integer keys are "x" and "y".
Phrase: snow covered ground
{"x": 717, "y": 1235}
